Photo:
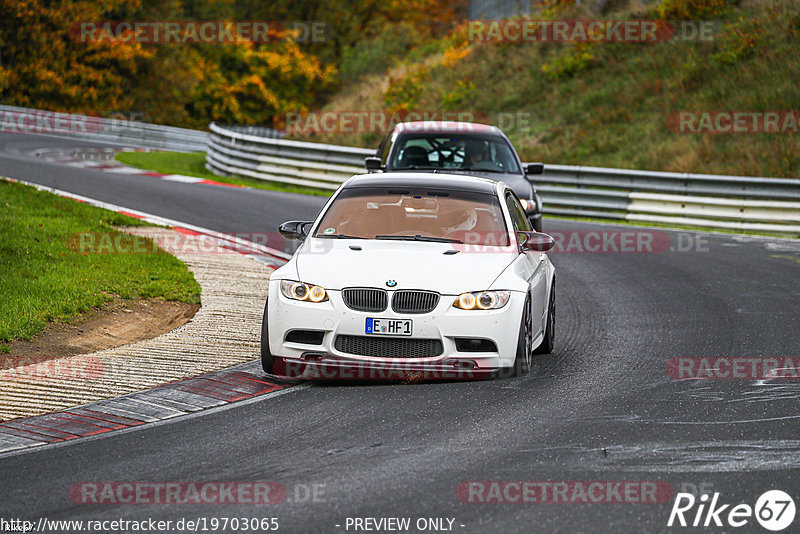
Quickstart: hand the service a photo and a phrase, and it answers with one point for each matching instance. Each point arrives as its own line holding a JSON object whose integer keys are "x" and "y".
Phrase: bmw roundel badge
{"x": 391, "y": 283}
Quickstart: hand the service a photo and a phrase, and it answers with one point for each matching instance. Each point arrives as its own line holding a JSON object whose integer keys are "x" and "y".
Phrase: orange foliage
{"x": 42, "y": 66}
{"x": 45, "y": 65}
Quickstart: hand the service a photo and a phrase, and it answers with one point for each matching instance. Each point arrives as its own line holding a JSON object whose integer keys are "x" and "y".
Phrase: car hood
{"x": 518, "y": 182}
{"x": 333, "y": 264}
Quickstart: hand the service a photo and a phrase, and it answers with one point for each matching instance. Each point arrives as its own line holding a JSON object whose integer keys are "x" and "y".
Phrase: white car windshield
{"x": 418, "y": 215}
{"x": 458, "y": 152}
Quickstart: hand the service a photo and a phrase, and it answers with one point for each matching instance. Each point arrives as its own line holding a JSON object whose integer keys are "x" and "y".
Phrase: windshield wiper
{"x": 339, "y": 236}
{"x": 418, "y": 238}
{"x": 471, "y": 169}
{"x": 416, "y": 168}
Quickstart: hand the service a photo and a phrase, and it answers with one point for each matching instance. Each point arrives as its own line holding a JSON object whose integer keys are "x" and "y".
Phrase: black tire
{"x": 537, "y": 224}
{"x": 267, "y": 359}
{"x": 546, "y": 346}
{"x": 522, "y": 361}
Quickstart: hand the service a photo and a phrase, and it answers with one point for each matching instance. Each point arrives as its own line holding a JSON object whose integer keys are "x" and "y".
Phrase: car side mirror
{"x": 535, "y": 241}
{"x": 294, "y": 230}
{"x": 373, "y": 163}
{"x": 534, "y": 168}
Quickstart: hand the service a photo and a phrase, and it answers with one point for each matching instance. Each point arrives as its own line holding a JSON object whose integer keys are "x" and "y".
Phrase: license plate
{"x": 388, "y": 327}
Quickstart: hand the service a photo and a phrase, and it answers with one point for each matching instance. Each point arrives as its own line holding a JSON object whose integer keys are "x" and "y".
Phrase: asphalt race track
{"x": 602, "y": 407}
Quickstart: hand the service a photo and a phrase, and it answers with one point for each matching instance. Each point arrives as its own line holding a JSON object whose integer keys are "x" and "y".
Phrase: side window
{"x": 518, "y": 218}
{"x": 385, "y": 148}
{"x": 379, "y": 151}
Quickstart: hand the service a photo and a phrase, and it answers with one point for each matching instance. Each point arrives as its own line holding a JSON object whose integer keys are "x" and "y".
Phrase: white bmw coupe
{"x": 412, "y": 272}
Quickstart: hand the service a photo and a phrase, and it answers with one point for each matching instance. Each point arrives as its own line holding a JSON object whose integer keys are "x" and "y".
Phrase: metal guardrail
{"x": 257, "y": 131}
{"x": 294, "y": 162}
{"x": 769, "y": 205}
{"x": 118, "y": 131}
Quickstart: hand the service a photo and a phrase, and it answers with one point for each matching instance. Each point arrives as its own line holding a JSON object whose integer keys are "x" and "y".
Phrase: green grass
{"x": 45, "y": 277}
{"x": 193, "y": 164}
{"x": 608, "y": 104}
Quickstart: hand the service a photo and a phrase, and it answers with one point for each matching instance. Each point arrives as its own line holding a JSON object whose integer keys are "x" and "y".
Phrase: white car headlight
{"x": 524, "y": 203}
{"x": 302, "y": 291}
{"x": 482, "y": 300}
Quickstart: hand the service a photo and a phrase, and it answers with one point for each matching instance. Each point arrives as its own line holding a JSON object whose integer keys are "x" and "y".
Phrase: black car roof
{"x": 428, "y": 180}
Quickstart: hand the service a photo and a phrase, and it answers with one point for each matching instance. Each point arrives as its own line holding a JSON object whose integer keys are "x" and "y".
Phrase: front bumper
{"x": 321, "y": 366}
{"x": 445, "y": 323}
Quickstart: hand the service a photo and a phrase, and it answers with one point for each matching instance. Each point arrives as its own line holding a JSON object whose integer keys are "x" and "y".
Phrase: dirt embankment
{"x": 117, "y": 323}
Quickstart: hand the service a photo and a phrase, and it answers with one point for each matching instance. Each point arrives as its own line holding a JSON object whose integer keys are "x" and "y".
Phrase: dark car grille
{"x": 365, "y": 299}
{"x": 409, "y": 301}
{"x": 385, "y": 347}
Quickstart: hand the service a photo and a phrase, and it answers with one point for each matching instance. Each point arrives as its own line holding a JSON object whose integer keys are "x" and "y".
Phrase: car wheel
{"x": 537, "y": 224}
{"x": 267, "y": 359}
{"x": 522, "y": 361}
{"x": 546, "y": 346}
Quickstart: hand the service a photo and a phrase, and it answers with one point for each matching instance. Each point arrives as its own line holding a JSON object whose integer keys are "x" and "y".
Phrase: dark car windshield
{"x": 418, "y": 215}
{"x": 454, "y": 152}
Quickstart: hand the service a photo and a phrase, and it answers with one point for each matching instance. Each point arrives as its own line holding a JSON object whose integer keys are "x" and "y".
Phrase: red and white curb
{"x": 210, "y": 390}
{"x": 102, "y": 159}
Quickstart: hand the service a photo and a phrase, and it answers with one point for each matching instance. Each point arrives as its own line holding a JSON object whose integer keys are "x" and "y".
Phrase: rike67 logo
{"x": 774, "y": 510}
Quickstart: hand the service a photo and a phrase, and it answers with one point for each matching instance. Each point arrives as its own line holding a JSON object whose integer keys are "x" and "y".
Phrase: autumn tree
{"x": 42, "y": 65}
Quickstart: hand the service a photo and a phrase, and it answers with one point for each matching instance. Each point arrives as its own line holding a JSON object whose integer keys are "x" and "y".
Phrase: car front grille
{"x": 365, "y": 299}
{"x": 385, "y": 347}
{"x": 411, "y": 301}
